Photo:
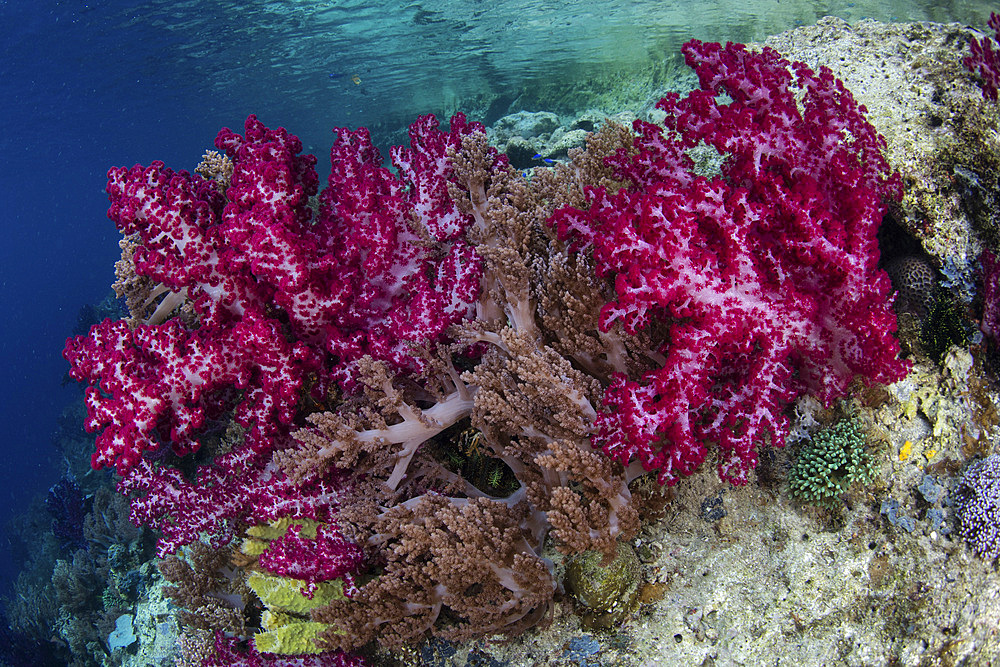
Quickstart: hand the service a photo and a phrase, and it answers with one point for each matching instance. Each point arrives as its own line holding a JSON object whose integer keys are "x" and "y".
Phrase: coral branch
{"x": 985, "y": 61}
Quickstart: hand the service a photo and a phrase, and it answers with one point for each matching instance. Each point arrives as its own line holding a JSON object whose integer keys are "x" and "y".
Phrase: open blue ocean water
{"x": 84, "y": 86}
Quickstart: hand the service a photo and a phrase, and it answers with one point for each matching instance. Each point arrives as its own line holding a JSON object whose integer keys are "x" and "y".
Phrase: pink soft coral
{"x": 280, "y": 305}
{"x": 984, "y": 60}
{"x": 283, "y": 303}
{"x": 764, "y": 276}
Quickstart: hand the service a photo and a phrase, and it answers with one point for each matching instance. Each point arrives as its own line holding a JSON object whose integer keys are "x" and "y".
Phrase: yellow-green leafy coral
{"x": 832, "y": 462}
{"x": 286, "y": 626}
{"x": 287, "y": 635}
{"x": 285, "y": 593}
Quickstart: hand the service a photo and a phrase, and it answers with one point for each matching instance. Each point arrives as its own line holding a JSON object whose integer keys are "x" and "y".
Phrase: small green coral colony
{"x": 831, "y": 463}
{"x": 607, "y": 594}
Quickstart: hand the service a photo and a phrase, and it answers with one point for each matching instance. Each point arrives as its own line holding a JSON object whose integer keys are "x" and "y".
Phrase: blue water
{"x": 87, "y": 86}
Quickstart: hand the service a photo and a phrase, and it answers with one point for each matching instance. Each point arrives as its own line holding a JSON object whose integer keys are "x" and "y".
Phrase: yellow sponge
{"x": 285, "y": 593}
{"x": 288, "y": 635}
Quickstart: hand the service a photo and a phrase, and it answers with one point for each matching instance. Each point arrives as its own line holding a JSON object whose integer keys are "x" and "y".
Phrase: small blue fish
{"x": 538, "y": 156}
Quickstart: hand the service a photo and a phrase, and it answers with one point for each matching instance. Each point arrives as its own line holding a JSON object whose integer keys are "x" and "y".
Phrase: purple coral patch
{"x": 978, "y": 506}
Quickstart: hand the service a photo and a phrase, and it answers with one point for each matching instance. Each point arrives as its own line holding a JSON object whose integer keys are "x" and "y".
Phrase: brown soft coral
{"x": 210, "y": 596}
{"x": 536, "y": 412}
{"x": 459, "y": 568}
{"x": 525, "y": 377}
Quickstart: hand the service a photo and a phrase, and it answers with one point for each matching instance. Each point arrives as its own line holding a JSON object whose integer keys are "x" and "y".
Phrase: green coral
{"x": 286, "y": 634}
{"x": 286, "y": 626}
{"x": 831, "y": 463}
{"x": 606, "y": 594}
{"x": 285, "y": 593}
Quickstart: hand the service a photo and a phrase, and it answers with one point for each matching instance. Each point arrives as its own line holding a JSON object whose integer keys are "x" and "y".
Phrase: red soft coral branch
{"x": 158, "y": 384}
{"x": 984, "y": 60}
{"x": 325, "y": 557}
{"x": 384, "y": 266}
{"x": 237, "y": 487}
{"x": 398, "y": 244}
{"x": 765, "y": 275}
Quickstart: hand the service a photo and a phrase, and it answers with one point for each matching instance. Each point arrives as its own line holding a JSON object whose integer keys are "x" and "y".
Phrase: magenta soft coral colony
{"x": 326, "y": 352}
{"x": 984, "y": 60}
{"x": 765, "y": 275}
{"x": 282, "y": 305}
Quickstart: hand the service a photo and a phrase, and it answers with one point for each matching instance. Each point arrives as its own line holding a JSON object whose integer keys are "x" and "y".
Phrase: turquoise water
{"x": 318, "y": 64}
{"x": 313, "y": 65}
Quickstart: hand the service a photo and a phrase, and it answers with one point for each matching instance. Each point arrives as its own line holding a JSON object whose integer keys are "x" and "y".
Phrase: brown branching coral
{"x": 365, "y": 440}
{"x": 536, "y": 411}
{"x": 203, "y": 587}
{"x": 529, "y": 390}
{"x": 216, "y": 167}
{"x": 563, "y": 185}
{"x": 526, "y": 376}
{"x": 461, "y": 561}
{"x": 138, "y": 291}
{"x": 147, "y": 302}
{"x": 532, "y": 283}
{"x": 196, "y": 647}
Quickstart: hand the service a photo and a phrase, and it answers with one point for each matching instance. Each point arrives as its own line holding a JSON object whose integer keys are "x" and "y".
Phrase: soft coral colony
{"x": 339, "y": 367}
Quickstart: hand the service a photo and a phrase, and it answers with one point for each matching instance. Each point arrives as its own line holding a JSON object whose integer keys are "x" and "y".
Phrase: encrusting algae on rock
{"x": 607, "y": 593}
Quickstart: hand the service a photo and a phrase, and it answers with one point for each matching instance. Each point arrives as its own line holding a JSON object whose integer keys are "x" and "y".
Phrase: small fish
{"x": 538, "y": 156}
